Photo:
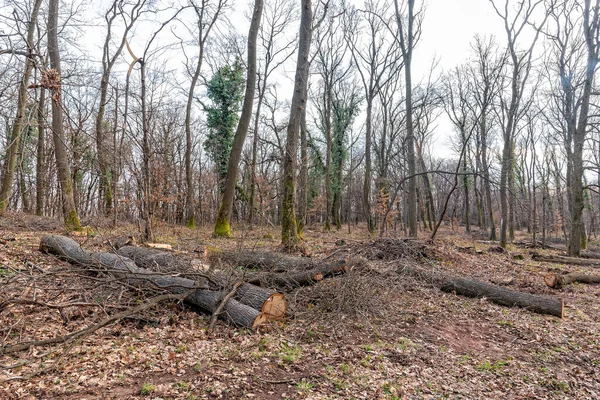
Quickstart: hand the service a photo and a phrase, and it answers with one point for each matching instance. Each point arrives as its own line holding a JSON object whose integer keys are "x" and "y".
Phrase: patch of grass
{"x": 463, "y": 359}
{"x": 305, "y": 386}
{"x": 345, "y": 368}
{"x": 555, "y": 385}
{"x": 487, "y": 366}
{"x": 181, "y": 385}
{"x": 404, "y": 343}
{"x": 197, "y": 368}
{"x": 180, "y": 349}
{"x": 290, "y": 353}
{"x": 366, "y": 347}
{"x": 365, "y": 362}
{"x": 505, "y": 323}
{"x": 147, "y": 388}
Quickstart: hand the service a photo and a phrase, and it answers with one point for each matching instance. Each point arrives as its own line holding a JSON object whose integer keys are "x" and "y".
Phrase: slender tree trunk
{"x": 303, "y": 179}
{"x": 289, "y": 229}
{"x": 14, "y": 143}
{"x": 60, "y": 149}
{"x": 190, "y": 204}
{"x": 591, "y": 26}
{"x": 222, "y": 227}
{"x": 40, "y": 168}
{"x": 367, "y": 181}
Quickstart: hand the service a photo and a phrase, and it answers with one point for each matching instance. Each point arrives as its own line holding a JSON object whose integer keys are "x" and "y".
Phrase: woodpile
{"x": 234, "y": 312}
{"x": 269, "y": 302}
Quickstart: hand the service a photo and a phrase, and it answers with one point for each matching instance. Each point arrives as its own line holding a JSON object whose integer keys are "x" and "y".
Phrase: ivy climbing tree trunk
{"x": 60, "y": 149}
{"x": 222, "y": 226}
{"x": 289, "y": 229}
{"x": 14, "y": 142}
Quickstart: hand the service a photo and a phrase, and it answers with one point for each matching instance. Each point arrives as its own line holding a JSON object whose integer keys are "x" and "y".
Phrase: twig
{"x": 213, "y": 318}
{"x": 92, "y": 328}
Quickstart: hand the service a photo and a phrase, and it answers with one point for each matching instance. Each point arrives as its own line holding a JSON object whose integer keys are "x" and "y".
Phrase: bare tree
{"x": 520, "y": 68}
{"x": 14, "y": 142}
{"x": 60, "y": 149}
{"x": 222, "y": 228}
{"x": 409, "y": 23}
{"x": 206, "y": 17}
{"x": 289, "y": 229}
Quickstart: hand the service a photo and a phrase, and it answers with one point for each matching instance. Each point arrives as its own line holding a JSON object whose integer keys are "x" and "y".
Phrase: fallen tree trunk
{"x": 274, "y": 262}
{"x": 269, "y": 302}
{"x": 557, "y": 281}
{"x": 496, "y": 294}
{"x": 291, "y": 280}
{"x": 566, "y": 260}
{"x": 123, "y": 268}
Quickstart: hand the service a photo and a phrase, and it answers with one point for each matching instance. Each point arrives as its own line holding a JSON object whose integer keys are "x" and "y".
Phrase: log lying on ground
{"x": 271, "y": 261}
{"x": 291, "y": 280}
{"x": 496, "y": 294}
{"x": 566, "y": 260}
{"x": 123, "y": 268}
{"x": 557, "y": 281}
{"x": 590, "y": 255}
{"x": 269, "y": 302}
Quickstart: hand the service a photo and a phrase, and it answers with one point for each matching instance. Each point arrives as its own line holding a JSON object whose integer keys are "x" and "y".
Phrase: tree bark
{"x": 289, "y": 229}
{"x": 222, "y": 225}
{"x": 495, "y": 294}
{"x": 60, "y": 149}
{"x": 40, "y": 184}
{"x": 269, "y": 302}
{"x": 14, "y": 141}
{"x": 556, "y": 281}
{"x": 234, "y": 312}
{"x": 586, "y": 262}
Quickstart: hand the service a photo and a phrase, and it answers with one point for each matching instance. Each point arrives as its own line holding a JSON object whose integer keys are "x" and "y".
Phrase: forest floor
{"x": 356, "y": 336}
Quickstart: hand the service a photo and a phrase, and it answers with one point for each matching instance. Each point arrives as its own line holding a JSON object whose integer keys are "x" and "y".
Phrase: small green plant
{"x": 181, "y": 385}
{"x": 345, "y": 368}
{"x": 366, "y": 347}
{"x": 505, "y": 323}
{"x": 486, "y": 366}
{"x": 197, "y": 368}
{"x": 463, "y": 359}
{"x": 180, "y": 349}
{"x": 305, "y": 386}
{"x": 290, "y": 353}
{"x": 147, "y": 388}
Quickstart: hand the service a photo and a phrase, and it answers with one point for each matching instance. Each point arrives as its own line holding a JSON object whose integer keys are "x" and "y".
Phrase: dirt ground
{"x": 376, "y": 335}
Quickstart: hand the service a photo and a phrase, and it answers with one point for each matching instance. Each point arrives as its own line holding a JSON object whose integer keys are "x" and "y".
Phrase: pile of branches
{"x": 387, "y": 249}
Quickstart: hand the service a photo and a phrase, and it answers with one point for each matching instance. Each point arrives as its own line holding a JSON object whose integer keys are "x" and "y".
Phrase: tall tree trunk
{"x": 14, "y": 143}
{"x": 146, "y": 179}
{"x": 289, "y": 229}
{"x": 60, "y": 149}
{"x": 591, "y": 26}
{"x": 190, "y": 203}
{"x": 222, "y": 227}
{"x": 303, "y": 178}
{"x": 367, "y": 181}
{"x": 406, "y": 44}
{"x": 40, "y": 167}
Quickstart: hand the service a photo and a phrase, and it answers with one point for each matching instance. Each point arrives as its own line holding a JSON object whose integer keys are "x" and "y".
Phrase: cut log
{"x": 291, "y": 280}
{"x": 495, "y": 294}
{"x": 273, "y": 262}
{"x": 557, "y": 281}
{"x": 123, "y": 268}
{"x": 566, "y": 260}
{"x": 269, "y": 302}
